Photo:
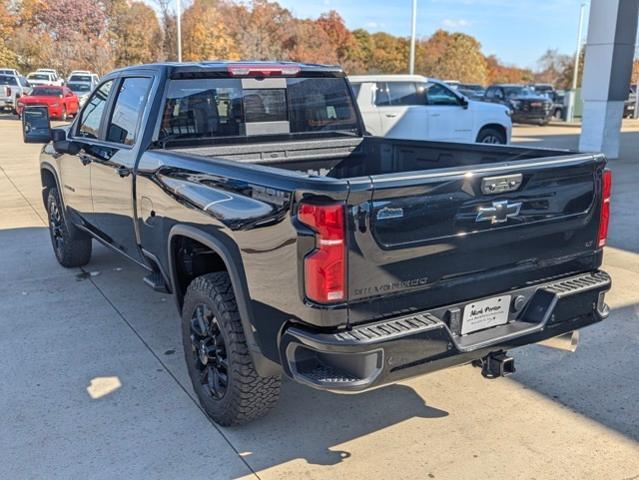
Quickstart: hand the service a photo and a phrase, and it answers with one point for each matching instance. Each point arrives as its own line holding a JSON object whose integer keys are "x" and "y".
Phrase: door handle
{"x": 391, "y": 115}
{"x": 123, "y": 171}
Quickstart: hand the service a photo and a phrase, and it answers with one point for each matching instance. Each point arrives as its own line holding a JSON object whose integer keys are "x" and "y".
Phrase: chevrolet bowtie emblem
{"x": 500, "y": 212}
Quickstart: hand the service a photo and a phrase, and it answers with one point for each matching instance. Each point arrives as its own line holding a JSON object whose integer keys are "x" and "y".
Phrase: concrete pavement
{"x": 95, "y": 386}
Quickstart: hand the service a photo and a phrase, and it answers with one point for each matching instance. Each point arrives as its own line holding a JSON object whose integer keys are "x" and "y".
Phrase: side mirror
{"x": 61, "y": 144}
{"x": 36, "y": 126}
{"x": 463, "y": 101}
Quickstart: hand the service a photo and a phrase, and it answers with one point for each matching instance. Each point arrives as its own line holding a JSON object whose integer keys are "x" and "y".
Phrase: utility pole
{"x": 411, "y": 68}
{"x": 179, "y": 30}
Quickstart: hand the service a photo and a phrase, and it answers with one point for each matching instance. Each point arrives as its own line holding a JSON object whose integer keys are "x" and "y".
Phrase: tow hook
{"x": 496, "y": 365}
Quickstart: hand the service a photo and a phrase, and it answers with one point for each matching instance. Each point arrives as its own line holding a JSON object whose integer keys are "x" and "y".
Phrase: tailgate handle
{"x": 501, "y": 184}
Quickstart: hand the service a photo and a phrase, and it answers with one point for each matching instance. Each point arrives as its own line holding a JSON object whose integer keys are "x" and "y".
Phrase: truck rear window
{"x": 8, "y": 80}
{"x": 231, "y": 107}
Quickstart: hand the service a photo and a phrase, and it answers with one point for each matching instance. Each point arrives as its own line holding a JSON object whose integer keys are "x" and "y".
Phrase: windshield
{"x": 8, "y": 80}
{"x": 80, "y": 78}
{"x": 518, "y": 92}
{"x": 38, "y": 76}
{"x": 79, "y": 87}
{"x": 47, "y": 92}
{"x": 232, "y": 107}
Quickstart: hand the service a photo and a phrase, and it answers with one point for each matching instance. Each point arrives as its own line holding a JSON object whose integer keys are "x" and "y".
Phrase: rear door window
{"x": 128, "y": 109}
{"x": 399, "y": 94}
{"x": 8, "y": 80}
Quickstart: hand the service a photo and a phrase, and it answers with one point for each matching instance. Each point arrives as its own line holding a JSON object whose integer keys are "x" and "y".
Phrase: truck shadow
{"x": 599, "y": 380}
{"x": 309, "y": 424}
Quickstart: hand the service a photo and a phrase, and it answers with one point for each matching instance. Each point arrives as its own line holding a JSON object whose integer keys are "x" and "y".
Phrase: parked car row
{"x": 46, "y": 87}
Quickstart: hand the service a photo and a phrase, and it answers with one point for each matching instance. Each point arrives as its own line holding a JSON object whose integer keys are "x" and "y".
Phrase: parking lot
{"x": 94, "y": 382}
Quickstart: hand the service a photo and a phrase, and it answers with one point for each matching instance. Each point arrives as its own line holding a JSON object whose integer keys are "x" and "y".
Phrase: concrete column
{"x": 612, "y": 30}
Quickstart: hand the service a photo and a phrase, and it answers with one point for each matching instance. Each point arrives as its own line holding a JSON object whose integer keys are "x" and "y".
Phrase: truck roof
{"x": 177, "y": 69}
{"x": 389, "y": 78}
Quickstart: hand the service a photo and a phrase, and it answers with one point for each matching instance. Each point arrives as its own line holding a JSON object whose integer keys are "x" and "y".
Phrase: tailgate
{"x": 449, "y": 235}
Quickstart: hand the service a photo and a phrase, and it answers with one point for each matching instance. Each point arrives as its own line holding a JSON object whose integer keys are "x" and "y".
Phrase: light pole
{"x": 411, "y": 64}
{"x": 179, "y": 30}
{"x": 575, "y": 72}
{"x": 580, "y": 32}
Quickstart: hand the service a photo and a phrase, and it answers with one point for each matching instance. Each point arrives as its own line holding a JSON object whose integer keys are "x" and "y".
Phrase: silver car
{"x": 82, "y": 90}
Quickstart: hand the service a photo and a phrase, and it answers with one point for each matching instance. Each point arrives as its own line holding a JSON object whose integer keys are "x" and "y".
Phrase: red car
{"x": 61, "y": 101}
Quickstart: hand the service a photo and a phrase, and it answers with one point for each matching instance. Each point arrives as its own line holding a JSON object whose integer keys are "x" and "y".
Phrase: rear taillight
{"x": 7, "y": 91}
{"x": 604, "y": 217}
{"x": 325, "y": 267}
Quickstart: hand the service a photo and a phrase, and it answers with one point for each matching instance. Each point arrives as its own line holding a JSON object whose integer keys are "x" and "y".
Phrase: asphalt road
{"x": 94, "y": 384}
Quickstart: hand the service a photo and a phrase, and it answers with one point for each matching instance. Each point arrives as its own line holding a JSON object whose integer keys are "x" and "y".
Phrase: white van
{"x": 419, "y": 108}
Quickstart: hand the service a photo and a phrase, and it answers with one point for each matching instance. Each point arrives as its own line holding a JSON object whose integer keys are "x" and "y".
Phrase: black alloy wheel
{"x": 209, "y": 352}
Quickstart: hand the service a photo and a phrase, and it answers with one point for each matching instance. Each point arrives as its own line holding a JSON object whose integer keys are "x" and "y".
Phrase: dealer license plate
{"x": 485, "y": 314}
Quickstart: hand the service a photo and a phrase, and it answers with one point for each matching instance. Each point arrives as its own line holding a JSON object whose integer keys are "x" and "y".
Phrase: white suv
{"x": 420, "y": 108}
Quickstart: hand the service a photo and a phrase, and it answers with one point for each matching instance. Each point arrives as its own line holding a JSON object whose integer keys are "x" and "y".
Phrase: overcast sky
{"x": 517, "y": 31}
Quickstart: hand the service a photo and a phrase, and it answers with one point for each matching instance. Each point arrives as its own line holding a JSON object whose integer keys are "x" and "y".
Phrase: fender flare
{"x": 264, "y": 366}
{"x": 51, "y": 169}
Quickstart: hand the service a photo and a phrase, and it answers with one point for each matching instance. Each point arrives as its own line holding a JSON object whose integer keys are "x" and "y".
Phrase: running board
{"x": 155, "y": 281}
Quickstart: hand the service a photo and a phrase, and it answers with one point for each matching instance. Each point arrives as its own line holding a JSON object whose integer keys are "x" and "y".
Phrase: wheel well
{"x": 494, "y": 126}
{"x": 48, "y": 182}
{"x": 192, "y": 259}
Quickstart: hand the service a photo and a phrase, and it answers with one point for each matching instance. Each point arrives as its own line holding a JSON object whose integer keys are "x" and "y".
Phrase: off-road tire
{"x": 247, "y": 395}
{"x": 72, "y": 247}
{"x": 487, "y": 133}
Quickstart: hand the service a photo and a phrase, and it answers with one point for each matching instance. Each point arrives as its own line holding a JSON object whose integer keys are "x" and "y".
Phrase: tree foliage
{"x": 452, "y": 56}
{"x": 206, "y": 35}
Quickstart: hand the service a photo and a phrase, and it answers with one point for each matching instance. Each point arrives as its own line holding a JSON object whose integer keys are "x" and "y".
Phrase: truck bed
{"x": 357, "y": 157}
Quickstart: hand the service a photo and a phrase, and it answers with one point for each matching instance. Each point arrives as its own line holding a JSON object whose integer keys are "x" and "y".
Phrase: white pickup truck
{"x": 419, "y": 108}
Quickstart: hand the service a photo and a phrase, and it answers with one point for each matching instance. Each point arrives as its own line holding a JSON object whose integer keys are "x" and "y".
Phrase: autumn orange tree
{"x": 132, "y": 44}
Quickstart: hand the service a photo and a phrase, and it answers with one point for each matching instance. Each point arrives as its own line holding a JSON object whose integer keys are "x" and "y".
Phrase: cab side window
{"x": 91, "y": 117}
{"x": 127, "y": 110}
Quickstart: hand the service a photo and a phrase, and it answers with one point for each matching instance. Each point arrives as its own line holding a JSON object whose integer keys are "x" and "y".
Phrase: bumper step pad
{"x": 376, "y": 353}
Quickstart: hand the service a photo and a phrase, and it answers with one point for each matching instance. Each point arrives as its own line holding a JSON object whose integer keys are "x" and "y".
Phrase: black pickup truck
{"x": 526, "y": 105}
{"x": 295, "y": 244}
